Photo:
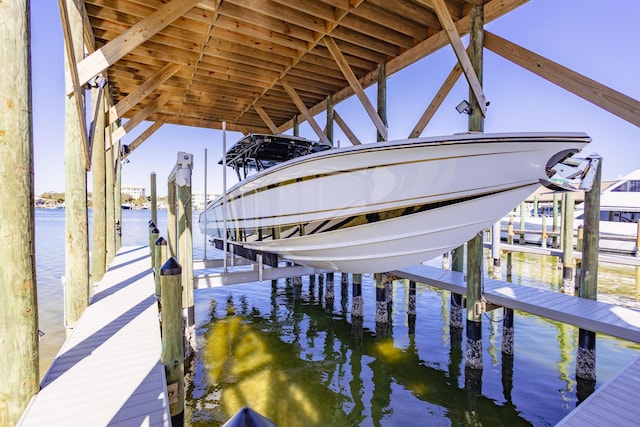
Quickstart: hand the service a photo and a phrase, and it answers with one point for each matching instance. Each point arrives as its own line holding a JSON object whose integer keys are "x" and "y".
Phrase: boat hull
{"x": 384, "y": 206}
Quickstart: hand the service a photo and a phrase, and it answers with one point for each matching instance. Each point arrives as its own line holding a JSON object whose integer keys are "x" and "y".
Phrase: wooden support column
{"x": 411, "y": 306}
{"x": 154, "y": 199}
{"x": 172, "y": 233}
{"x": 330, "y": 116}
{"x": 522, "y": 225}
{"x": 19, "y": 376}
{"x": 568, "y": 281}
{"x": 110, "y": 198}
{"x": 329, "y": 296}
{"x": 118, "y": 199}
{"x": 76, "y": 216}
{"x": 382, "y": 307}
{"x": 586, "y": 357}
{"x": 455, "y": 315}
{"x": 382, "y": 99}
{"x": 99, "y": 194}
{"x": 555, "y": 228}
{"x": 357, "y": 302}
{"x": 296, "y": 126}
{"x": 185, "y": 246}
{"x": 475, "y": 245}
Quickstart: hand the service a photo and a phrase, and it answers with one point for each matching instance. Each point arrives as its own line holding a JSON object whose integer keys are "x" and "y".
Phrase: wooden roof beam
{"x": 141, "y": 116}
{"x": 142, "y": 91}
{"x": 456, "y": 43}
{"x": 346, "y": 129}
{"x": 442, "y": 93}
{"x": 604, "y": 97}
{"x": 108, "y": 54}
{"x": 267, "y": 120}
{"x": 144, "y": 136}
{"x": 355, "y": 85}
{"x": 305, "y": 112}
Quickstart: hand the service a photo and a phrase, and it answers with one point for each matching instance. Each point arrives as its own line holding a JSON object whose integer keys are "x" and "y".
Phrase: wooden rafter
{"x": 144, "y": 136}
{"x": 141, "y": 116}
{"x": 346, "y": 129}
{"x": 305, "y": 112}
{"x": 355, "y": 85}
{"x": 108, "y": 54}
{"x": 442, "y": 93}
{"x": 267, "y": 120}
{"x": 142, "y": 91}
{"x": 458, "y": 48}
{"x": 604, "y": 97}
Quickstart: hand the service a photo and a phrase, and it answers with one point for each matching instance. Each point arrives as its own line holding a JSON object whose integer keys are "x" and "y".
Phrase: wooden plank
{"x": 604, "y": 97}
{"x": 266, "y": 119}
{"x": 458, "y": 48}
{"x": 356, "y": 86}
{"x": 437, "y": 100}
{"x": 108, "y": 370}
{"x": 141, "y": 116}
{"x": 144, "y": 90}
{"x": 346, "y": 129}
{"x": 305, "y": 112}
{"x": 144, "y": 136}
{"x": 108, "y": 54}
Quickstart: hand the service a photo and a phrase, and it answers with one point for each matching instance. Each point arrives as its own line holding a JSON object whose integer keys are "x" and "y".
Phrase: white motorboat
{"x": 619, "y": 216}
{"x": 378, "y": 207}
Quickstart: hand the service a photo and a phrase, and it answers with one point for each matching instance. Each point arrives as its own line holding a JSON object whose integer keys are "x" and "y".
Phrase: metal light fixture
{"x": 464, "y": 107}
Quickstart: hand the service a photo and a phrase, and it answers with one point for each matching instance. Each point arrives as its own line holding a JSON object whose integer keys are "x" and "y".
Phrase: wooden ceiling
{"x": 255, "y": 64}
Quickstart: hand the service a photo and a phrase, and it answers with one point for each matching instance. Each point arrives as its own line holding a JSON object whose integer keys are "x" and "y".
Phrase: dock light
{"x": 464, "y": 107}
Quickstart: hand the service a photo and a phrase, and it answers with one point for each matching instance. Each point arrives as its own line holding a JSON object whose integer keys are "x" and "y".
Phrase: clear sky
{"x": 597, "y": 39}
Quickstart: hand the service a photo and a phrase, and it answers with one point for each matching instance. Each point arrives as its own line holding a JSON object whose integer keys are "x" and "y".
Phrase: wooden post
{"x": 446, "y": 261}
{"x": 296, "y": 126}
{"x": 507, "y": 331}
{"x": 118, "y": 202}
{"x": 475, "y": 245}
{"x": 154, "y": 199}
{"x": 172, "y": 343}
{"x": 382, "y": 314}
{"x": 568, "y": 284}
{"x": 522, "y": 239}
{"x": 99, "y": 198}
{"x": 411, "y": 305}
{"x": 152, "y": 225}
{"x": 580, "y": 238}
{"x": 330, "y": 116}
{"x": 455, "y": 315}
{"x": 586, "y": 357}
{"x": 495, "y": 250}
{"x": 510, "y": 253}
{"x": 357, "y": 302}
{"x": 159, "y": 259}
{"x": 330, "y": 294}
{"x": 382, "y": 97}
{"x": 638, "y": 239}
{"x": 76, "y": 216}
{"x": 555, "y": 227}
{"x": 535, "y": 206}
{"x": 185, "y": 246}
{"x": 19, "y": 375}
{"x": 110, "y": 199}
{"x": 544, "y": 237}
{"x": 155, "y": 234}
{"x": 172, "y": 232}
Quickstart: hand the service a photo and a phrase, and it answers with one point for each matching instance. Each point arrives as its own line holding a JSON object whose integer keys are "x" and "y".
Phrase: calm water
{"x": 303, "y": 363}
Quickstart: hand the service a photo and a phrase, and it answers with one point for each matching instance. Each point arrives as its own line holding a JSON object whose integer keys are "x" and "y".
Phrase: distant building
{"x": 197, "y": 200}
{"x": 134, "y": 191}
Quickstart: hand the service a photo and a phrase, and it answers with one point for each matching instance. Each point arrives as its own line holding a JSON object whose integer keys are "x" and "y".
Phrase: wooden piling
{"x": 172, "y": 336}
{"x": 159, "y": 259}
{"x": 382, "y": 313}
{"x": 98, "y": 197}
{"x": 150, "y": 227}
{"x": 382, "y": 97}
{"x": 510, "y": 253}
{"x": 19, "y": 375}
{"x": 329, "y": 296}
{"x": 507, "y": 331}
{"x": 154, "y": 198}
{"x": 118, "y": 202}
{"x": 172, "y": 232}
{"x": 522, "y": 237}
{"x": 155, "y": 234}
{"x": 555, "y": 227}
{"x": 586, "y": 357}
{"x": 110, "y": 198}
{"x": 495, "y": 250}
{"x": 638, "y": 239}
{"x": 185, "y": 245}
{"x": 475, "y": 245}
{"x": 568, "y": 283}
{"x": 76, "y": 217}
{"x": 357, "y": 302}
{"x": 455, "y": 312}
{"x": 543, "y": 243}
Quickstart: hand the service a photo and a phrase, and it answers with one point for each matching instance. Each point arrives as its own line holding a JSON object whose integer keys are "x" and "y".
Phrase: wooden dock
{"x": 108, "y": 371}
{"x": 592, "y": 315}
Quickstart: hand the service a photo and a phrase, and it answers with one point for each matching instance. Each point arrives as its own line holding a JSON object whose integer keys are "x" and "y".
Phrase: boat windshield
{"x": 256, "y": 152}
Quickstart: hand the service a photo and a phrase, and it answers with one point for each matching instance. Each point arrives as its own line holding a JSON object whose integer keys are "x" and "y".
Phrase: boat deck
{"x": 592, "y": 315}
{"x": 108, "y": 372}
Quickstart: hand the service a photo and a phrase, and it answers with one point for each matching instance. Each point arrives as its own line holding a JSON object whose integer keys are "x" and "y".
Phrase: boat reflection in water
{"x": 378, "y": 207}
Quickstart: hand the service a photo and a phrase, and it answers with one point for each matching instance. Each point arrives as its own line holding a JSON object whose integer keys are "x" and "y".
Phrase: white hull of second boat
{"x": 388, "y": 205}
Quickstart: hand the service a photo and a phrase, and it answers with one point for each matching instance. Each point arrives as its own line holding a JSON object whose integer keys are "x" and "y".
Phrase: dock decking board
{"x": 613, "y": 402}
{"x": 592, "y": 315}
{"x": 108, "y": 371}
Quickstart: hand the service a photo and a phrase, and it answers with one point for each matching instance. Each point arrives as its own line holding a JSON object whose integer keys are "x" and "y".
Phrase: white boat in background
{"x": 619, "y": 216}
{"x": 378, "y": 207}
